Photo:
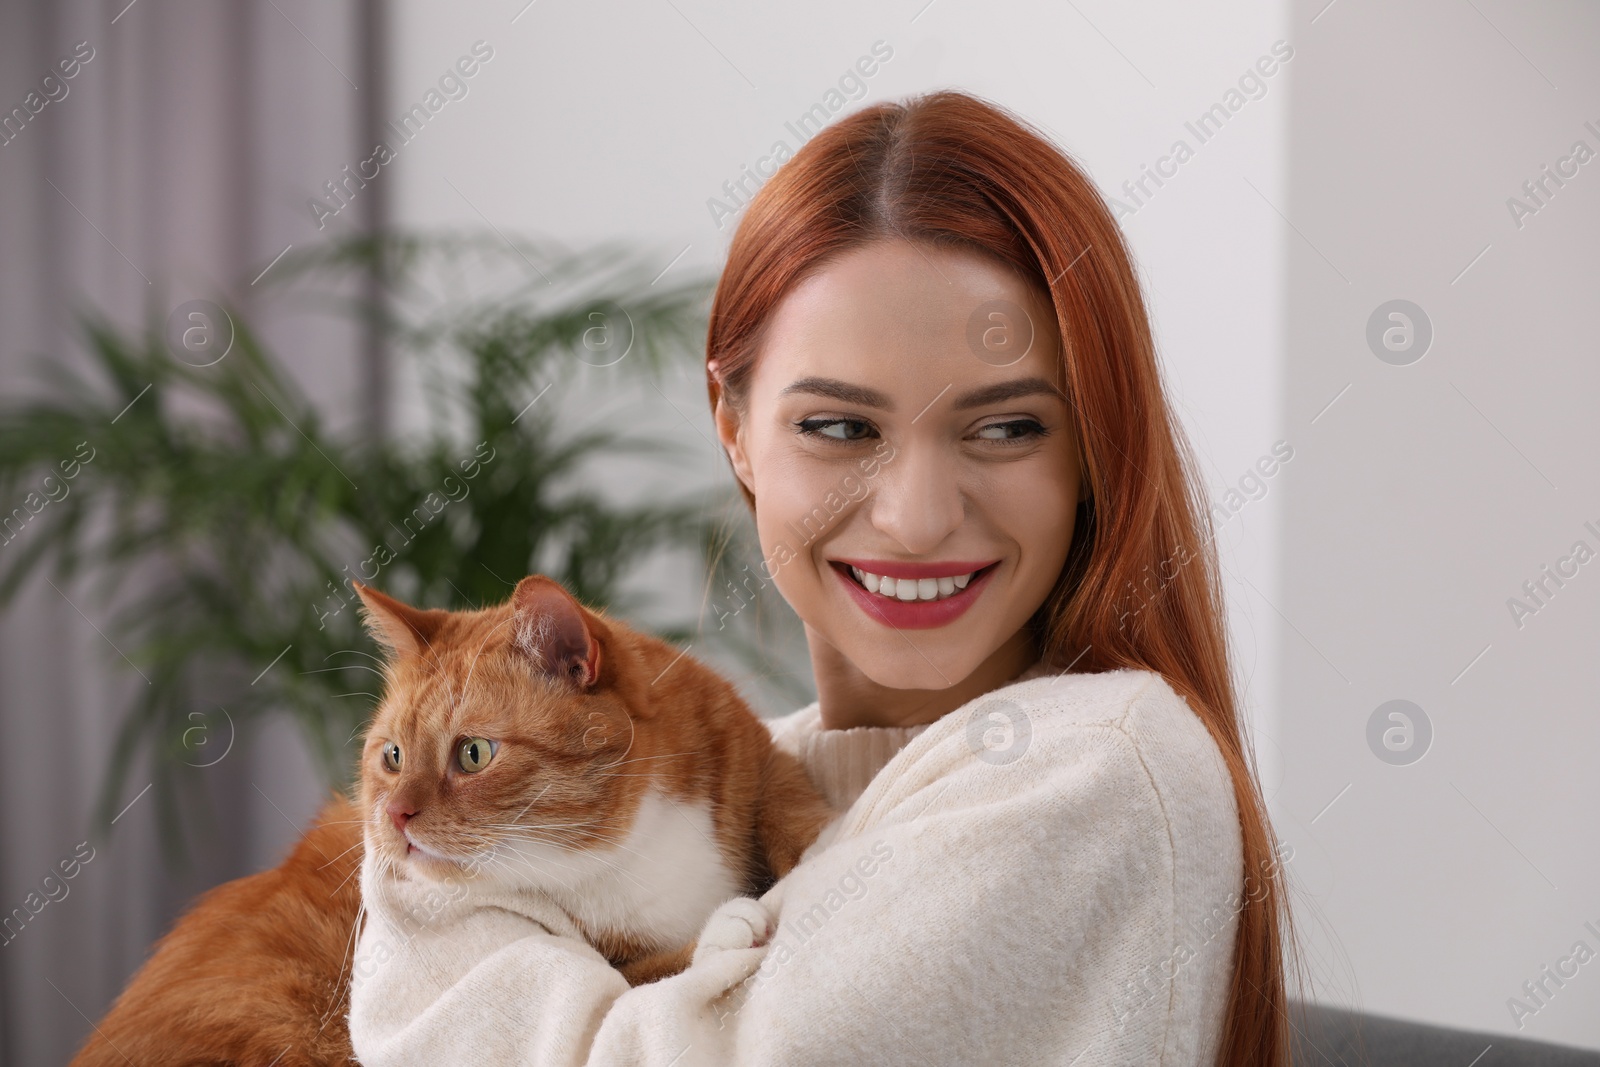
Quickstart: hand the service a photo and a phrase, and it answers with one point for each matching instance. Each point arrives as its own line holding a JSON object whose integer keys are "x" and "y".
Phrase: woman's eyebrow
{"x": 1017, "y": 387}
{"x": 834, "y": 389}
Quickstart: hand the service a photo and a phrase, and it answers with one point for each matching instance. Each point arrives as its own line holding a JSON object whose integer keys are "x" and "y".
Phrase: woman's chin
{"x": 914, "y": 661}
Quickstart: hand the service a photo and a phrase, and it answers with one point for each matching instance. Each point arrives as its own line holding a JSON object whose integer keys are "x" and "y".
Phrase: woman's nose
{"x": 918, "y": 500}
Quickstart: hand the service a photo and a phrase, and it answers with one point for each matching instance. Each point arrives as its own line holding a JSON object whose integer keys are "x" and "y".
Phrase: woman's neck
{"x": 846, "y": 697}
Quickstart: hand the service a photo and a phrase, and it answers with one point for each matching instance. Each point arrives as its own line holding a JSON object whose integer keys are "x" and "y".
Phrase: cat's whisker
{"x": 532, "y": 802}
{"x": 619, "y": 868}
{"x": 636, "y": 759}
{"x": 543, "y": 838}
{"x": 346, "y": 852}
{"x": 544, "y": 871}
{"x": 623, "y": 847}
{"x": 351, "y": 652}
{"x": 540, "y": 865}
{"x": 553, "y": 825}
{"x": 559, "y": 832}
{"x": 556, "y": 826}
{"x": 571, "y": 839}
{"x": 628, "y": 774}
{"x": 343, "y": 881}
{"x": 512, "y": 840}
{"x": 348, "y": 960}
{"x": 347, "y": 667}
{"x": 623, "y": 871}
{"x": 600, "y": 857}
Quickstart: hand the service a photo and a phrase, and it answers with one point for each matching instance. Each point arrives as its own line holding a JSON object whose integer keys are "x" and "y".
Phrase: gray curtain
{"x": 176, "y": 162}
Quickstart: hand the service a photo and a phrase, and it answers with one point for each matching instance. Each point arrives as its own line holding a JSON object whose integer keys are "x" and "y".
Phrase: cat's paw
{"x": 742, "y": 922}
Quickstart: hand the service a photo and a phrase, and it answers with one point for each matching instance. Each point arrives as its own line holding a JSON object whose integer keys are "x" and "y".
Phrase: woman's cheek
{"x": 793, "y": 518}
{"x": 1040, "y": 511}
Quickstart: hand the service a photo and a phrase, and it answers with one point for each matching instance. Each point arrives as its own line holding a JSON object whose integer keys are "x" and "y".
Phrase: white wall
{"x": 1428, "y": 493}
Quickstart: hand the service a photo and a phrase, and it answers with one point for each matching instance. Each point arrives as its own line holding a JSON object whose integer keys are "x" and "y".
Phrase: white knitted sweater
{"x": 1050, "y": 874}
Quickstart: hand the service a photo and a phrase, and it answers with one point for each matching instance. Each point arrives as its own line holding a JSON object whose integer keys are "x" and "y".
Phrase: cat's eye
{"x": 391, "y": 756}
{"x": 474, "y": 754}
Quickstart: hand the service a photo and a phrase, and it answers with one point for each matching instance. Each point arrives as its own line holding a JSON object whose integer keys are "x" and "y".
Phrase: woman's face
{"x": 912, "y": 456}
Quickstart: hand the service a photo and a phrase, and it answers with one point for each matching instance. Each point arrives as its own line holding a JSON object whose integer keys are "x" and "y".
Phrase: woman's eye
{"x": 391, "y": 756}
{"x": 836, "y": 429}
{"x": 474, "y": 754}
{"x": 1015, "y": 430}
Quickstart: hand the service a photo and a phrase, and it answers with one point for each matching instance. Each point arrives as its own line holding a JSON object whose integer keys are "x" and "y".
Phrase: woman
{"x": 932, "y": 371}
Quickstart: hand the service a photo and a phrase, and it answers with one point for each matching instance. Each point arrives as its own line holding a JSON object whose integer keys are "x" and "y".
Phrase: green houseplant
{"x": 218, "y": 516}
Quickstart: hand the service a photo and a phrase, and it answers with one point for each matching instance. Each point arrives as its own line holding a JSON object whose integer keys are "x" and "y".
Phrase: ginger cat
{"x": 535, "y": 743}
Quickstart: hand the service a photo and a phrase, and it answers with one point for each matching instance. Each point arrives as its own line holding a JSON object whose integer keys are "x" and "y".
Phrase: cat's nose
{"x": 399, "y": 811}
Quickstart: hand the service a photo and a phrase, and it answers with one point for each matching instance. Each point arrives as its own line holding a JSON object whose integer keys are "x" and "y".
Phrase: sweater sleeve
{"x": 973, "y": 911}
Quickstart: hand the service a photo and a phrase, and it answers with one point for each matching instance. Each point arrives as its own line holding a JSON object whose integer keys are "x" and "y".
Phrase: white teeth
{"x": 868, "y": 580}
{"x": 909, "y": 589}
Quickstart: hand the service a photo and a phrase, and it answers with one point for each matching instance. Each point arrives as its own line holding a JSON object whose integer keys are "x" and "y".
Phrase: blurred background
{"x": 242, "y": 346}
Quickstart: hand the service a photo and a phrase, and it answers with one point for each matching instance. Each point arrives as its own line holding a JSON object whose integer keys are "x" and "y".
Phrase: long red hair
{"x": 1140, "y": 587}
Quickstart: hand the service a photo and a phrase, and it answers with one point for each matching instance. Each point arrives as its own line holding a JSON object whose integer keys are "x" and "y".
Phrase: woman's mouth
{"x": 915, "y": 596}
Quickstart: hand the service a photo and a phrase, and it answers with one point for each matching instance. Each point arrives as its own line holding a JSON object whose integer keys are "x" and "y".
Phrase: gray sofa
{"x": 1333, "y": 1037}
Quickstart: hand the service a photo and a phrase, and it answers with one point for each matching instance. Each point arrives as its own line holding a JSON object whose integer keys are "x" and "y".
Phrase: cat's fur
{"x": 628, "y": 783}
{"x": 257, "y": 972}
{"x": 601, "y": 731}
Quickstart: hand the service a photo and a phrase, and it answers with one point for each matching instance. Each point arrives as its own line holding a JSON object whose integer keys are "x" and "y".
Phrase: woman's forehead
{"x": 893, "y": 313}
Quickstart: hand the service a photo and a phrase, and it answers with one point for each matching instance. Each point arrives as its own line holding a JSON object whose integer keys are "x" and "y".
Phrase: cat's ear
{"x": 554, "y": 631}
{"x": 401, "y": 628}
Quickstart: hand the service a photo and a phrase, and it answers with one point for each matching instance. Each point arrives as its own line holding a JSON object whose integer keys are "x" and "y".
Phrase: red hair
{"x": 1140, "y": 586}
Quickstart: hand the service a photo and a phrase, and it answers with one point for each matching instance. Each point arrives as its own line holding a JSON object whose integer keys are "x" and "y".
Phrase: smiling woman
{"x": 934, "y": 289}
{"x": 1024, "y": 494}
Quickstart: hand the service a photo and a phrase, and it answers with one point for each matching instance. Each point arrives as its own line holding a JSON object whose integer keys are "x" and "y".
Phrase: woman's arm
{"x": 492, "y": 985}
{"x": 1022, "y": 912}
{"x": 452, "y": 991}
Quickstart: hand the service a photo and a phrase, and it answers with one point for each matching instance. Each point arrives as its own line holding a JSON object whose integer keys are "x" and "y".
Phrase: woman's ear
{"x": 730, "y": 430}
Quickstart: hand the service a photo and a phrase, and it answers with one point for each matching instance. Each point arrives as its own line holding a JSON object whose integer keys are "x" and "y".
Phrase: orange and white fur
{"x": 537, "y": 747}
